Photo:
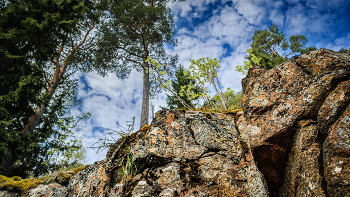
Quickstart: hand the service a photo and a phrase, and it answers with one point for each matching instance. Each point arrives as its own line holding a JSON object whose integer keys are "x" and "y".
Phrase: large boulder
{"x": 291, "y": 110}
{"x": 184, "y": 153}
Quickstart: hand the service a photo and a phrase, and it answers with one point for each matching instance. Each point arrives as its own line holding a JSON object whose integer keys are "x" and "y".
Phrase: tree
{"x": 204, "y": 70}
{"x": 65, "y": 22}
{"x": 135, "y": 30}
{"x": 181, "y": 80}
{"x": 345, "y": 50}
{"x": 33, "y": 29}
{"x": 28, "y": 152}
{"x": 66, "y": 149}
{"x": 159, "y": 71}
{"x": 265, "y": 47}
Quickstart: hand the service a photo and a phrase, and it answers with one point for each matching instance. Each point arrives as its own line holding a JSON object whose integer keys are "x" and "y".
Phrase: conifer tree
{"x": 33, "y": 35}
{"x": 181, "y": 79}
{"x": 135, "y": 30}
{"x": 345, "y": 50}
{"x": 265, "y": 46}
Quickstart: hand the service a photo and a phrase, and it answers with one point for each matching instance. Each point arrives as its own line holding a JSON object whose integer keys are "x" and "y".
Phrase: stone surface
{"x": 276, "y": 100}
{"x": 184, "y": 153}
{"x": 92, "y": 181}
{"x": 196, "y": 153}
{"x": 293, "y": 139}
{"x": 50, "y": 190}
{"x": 8, "y": 194}
{"x": 332, "y": 107}
{"x": 303, "y": 176}
{"x": 336, "y": 150}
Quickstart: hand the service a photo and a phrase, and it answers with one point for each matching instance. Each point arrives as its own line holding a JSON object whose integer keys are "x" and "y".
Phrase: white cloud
{"x": 327, "y": 5}
{"x": 277, "y": 17}
{"x": 183, "y": 31}
{"x": 337, "y": 44}
{"x": 300, "y": 20}
{"x": 250, "y": 10}
{"x": 109, "y": 100}
{"x": 230, "y": 78}
{"x": 292, "y": 1}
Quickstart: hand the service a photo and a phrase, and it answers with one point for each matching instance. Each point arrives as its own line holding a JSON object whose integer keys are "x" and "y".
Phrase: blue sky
{"x": 207, "y": 28}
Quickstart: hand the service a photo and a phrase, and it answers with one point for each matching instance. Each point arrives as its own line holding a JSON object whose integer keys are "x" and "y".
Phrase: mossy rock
{"x": 16, "y": 184}
{"x": 78, "y": 169}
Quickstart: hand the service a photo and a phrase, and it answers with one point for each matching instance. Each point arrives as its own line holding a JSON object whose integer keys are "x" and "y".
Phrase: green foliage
{"x": 30, "y": 35}
{"x": 265, "y": 46}
{"x": 158, "y": 71}
{"x": 302, "y": 51}
{"x": 32, "y": 29}
{"x": 204, "y": 70}
{"x": 345, "y": 50}
{"x": 182, "y": 79}
{"x": 67, "y": 150}
{"x": 128, "y": 168}
{"x": 19, "y": 87}
{"x": 234, "y": 101}
{"x": 133, "y": 30}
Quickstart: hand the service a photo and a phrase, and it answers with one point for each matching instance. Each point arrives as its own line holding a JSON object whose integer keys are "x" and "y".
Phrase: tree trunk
{"x": 145, "y": 95}
{"x": 39, "y": 110}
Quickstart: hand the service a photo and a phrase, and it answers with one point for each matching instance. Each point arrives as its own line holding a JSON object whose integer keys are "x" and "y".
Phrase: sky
{"x": 221, "y": 29}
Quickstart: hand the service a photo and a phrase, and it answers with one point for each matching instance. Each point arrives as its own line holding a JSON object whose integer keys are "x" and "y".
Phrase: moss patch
{"x": 16, "y": 184}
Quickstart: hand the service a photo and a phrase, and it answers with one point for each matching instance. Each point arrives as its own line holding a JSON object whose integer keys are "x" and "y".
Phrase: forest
{"x": 44, "y": 42}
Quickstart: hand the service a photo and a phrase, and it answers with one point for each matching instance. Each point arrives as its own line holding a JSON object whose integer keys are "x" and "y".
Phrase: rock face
{"x": 50, "y": 190}
{"x": 293, "y": 139}
{"x": 182, "y": 154}
{"x": 298, "y": 124}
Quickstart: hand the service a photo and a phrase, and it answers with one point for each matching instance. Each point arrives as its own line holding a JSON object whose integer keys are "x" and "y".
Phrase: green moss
{"x": 143, "y": 129}
{"x": 16, "y": 184}
{"x": 49, "y": 181}
{"x": 4, "y": 179}
{"x": 234, "y": 111}
{"x": 65, "y": 177}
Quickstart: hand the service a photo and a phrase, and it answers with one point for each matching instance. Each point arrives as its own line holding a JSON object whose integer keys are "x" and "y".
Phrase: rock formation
{"x": 292, "y": 139}
{"x": 298, "y": 124}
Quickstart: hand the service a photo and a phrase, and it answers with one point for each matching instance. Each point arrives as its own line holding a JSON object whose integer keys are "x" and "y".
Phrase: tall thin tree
{"x": 136, "y": 29}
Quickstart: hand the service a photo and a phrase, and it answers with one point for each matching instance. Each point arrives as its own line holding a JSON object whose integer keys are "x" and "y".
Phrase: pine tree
{"x": 135, "y": 30}
{"x": 265, "y": 46}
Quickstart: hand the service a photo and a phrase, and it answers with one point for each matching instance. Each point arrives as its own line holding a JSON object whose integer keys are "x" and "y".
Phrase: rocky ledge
{"x": 293, "y": 139}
